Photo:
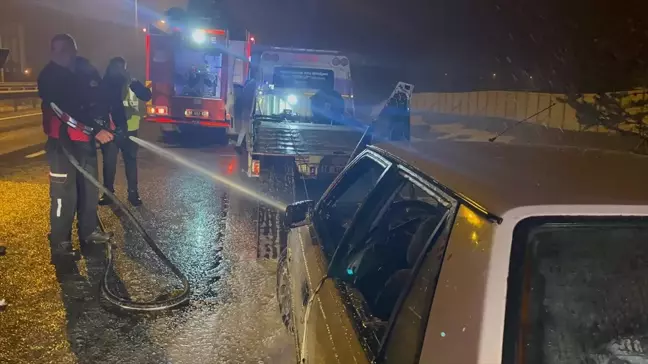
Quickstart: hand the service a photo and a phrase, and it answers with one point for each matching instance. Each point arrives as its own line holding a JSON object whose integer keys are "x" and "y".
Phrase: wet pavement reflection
{"x": 55, "y": 314}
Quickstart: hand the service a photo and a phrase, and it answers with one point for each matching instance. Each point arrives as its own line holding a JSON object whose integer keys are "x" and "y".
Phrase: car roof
{"x": 500, "y": 177}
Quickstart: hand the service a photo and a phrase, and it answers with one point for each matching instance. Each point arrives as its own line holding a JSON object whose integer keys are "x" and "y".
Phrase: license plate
{"x": 331, "y": 169}
{"x": 197, "y": 113}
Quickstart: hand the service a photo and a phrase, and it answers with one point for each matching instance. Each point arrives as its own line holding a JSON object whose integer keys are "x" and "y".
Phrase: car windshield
{"x": 587, "y": 289}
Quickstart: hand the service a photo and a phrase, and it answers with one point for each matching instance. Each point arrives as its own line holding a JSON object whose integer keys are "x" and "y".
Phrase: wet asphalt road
{"x": 56, "y": 316}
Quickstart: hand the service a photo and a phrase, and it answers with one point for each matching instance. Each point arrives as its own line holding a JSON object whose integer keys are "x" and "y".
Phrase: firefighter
{"x": 327, "y": 107}
{"x": 72, "y": 83}
{"x": 123, "y": 97}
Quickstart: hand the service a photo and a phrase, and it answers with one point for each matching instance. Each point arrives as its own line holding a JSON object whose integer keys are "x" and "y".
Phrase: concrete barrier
{"x": 478, "y": 116}
{"x": 511, "y": 105}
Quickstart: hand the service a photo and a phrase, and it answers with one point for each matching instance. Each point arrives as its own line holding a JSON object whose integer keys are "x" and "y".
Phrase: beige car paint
{"x": 454, "y": 324}
{"x": 326, "y": 334}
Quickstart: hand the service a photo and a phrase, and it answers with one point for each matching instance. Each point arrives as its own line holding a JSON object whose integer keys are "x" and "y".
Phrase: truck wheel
{"x": 284, "y": 294}
{"x": 169, "y": 136}
{"x": 220, "y": 136}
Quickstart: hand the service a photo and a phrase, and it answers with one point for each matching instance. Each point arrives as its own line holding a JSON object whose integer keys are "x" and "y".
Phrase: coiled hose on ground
{"x": 123, "y": 303}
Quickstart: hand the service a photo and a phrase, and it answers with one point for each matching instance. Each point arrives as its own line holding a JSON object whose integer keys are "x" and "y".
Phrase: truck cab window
{"x": 338, "y": 207}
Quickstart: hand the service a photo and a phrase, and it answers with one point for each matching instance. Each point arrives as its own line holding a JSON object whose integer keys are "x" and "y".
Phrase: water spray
{"x": 174, "y": 157}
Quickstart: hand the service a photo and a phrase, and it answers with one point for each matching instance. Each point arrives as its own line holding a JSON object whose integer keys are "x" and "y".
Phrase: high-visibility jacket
{"x": 134, "y": 103}
{"x": 133, "y": 111}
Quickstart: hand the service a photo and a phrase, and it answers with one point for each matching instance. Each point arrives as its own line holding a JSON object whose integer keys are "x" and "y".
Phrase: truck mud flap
{"x": 277, "y": 181}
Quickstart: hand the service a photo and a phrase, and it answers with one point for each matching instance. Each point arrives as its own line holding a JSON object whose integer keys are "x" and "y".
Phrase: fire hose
{"x": 124, "y": 303}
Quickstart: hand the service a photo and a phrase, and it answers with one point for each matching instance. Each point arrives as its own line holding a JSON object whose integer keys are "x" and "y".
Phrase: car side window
{"x": 408, "y": 331}
{"x": 338, "y": 207}
{"x": 379, "y": 266}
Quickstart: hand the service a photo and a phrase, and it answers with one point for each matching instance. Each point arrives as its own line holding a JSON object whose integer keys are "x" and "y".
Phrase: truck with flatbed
{"x": 302, "y": 110}
{"x": 301, "y": 130}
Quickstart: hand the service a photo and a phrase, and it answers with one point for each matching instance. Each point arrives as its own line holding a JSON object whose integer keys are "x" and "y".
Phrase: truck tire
{"x": 276, "y": 181}
{"x": 220, "y": 136}
{"x": 169, "y": 137}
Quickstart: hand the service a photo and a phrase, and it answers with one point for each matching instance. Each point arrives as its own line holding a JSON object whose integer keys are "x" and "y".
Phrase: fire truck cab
{"x": 192, "y": 69}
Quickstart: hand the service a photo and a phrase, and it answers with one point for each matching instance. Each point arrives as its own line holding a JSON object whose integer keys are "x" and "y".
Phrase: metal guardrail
{"x": 12, "y": 90}
{"x": 18, "y": 86}
{"x": 16, "y": 96}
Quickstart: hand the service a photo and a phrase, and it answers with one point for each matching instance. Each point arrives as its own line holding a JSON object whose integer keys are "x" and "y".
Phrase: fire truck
{"x": 192, "y": 68}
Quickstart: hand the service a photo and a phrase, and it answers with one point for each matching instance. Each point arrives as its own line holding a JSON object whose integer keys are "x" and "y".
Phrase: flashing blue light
{"x": 350, "y": 271}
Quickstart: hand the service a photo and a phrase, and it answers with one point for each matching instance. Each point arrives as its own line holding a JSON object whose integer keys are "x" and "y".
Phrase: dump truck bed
{"x": 301, "y": 139}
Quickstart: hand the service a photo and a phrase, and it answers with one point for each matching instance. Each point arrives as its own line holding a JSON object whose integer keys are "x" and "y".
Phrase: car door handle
{"x": 305, "y": 292}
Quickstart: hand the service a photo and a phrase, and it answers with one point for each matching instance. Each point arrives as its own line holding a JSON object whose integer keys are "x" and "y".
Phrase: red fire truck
{"x": 193, "y": 69}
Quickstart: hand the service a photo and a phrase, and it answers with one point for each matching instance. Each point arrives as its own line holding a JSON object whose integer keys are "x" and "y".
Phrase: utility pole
{"x": 136, "y": 16}
{"x": 21, "y": 48}
{"x": 2, "y": 77}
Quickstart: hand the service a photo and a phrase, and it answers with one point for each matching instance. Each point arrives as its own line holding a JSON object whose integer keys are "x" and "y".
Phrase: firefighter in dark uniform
{"x": 72, "y": 83}
{"x": 123, "y": 97}
{"x": 327, "y": 107}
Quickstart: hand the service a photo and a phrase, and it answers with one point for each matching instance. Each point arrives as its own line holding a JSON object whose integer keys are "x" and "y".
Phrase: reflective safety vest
{"x": 134, "y": 111}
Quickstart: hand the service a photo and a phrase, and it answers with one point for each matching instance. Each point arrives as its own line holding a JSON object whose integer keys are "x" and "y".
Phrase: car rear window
{"x": 578, "y": 292}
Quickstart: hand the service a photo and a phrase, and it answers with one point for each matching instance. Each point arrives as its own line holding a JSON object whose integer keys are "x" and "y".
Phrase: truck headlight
{"x": 292, "y": 100}
{"x": 199, "y": 36}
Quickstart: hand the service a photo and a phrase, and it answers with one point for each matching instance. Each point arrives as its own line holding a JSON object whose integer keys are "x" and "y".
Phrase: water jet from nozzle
{"x": 174, "y": 157}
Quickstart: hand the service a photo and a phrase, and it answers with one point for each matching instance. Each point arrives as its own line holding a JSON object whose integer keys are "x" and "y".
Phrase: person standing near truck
{"x": 123, "y": 97}
{"x": 72, "y": 83}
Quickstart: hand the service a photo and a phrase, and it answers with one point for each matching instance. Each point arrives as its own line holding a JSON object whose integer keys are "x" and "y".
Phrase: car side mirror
{"x": 298, "y": 213}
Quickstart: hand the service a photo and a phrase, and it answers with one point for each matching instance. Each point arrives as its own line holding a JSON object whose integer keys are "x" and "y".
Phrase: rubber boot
{"x": 63, "y": 252}
{"x": 105, "y": 200}
{"x": 134, "y": 198}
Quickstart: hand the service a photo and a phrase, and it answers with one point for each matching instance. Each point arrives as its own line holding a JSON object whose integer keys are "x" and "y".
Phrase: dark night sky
{"x": 528, "y": 44}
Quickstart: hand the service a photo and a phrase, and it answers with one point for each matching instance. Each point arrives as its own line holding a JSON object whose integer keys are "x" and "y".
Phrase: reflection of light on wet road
{"x": 207, "y": 229}
{"x": 174, "y": 157}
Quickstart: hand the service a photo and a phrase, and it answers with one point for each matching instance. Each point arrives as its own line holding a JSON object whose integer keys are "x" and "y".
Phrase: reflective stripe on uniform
{"x": 133, "y": 123}
{"x": 132, "y": 102}
{"x": 59, "y": 206}
{"x": 58, "y": 175}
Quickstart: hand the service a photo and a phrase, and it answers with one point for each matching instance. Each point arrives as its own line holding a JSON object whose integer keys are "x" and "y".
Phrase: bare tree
{"x": 623, "y": 112}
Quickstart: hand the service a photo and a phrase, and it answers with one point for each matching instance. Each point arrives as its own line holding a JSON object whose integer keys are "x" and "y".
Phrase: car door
{"x": 353, "y": 309}
{"x": 310, "y": 248}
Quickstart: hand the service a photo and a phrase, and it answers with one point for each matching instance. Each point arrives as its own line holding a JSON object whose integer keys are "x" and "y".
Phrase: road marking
{"x": 19, "y": 116}
{"x": 34, "y": 155}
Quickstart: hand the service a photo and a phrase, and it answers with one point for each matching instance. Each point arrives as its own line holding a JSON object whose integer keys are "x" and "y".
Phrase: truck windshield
{"x": 198, "y": 73}
{"x": 584, "y": 292}
{"x": 276, "y": 102}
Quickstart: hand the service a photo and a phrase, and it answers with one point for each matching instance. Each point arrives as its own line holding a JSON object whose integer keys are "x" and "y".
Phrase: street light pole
{"x": 136, "y": 16}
